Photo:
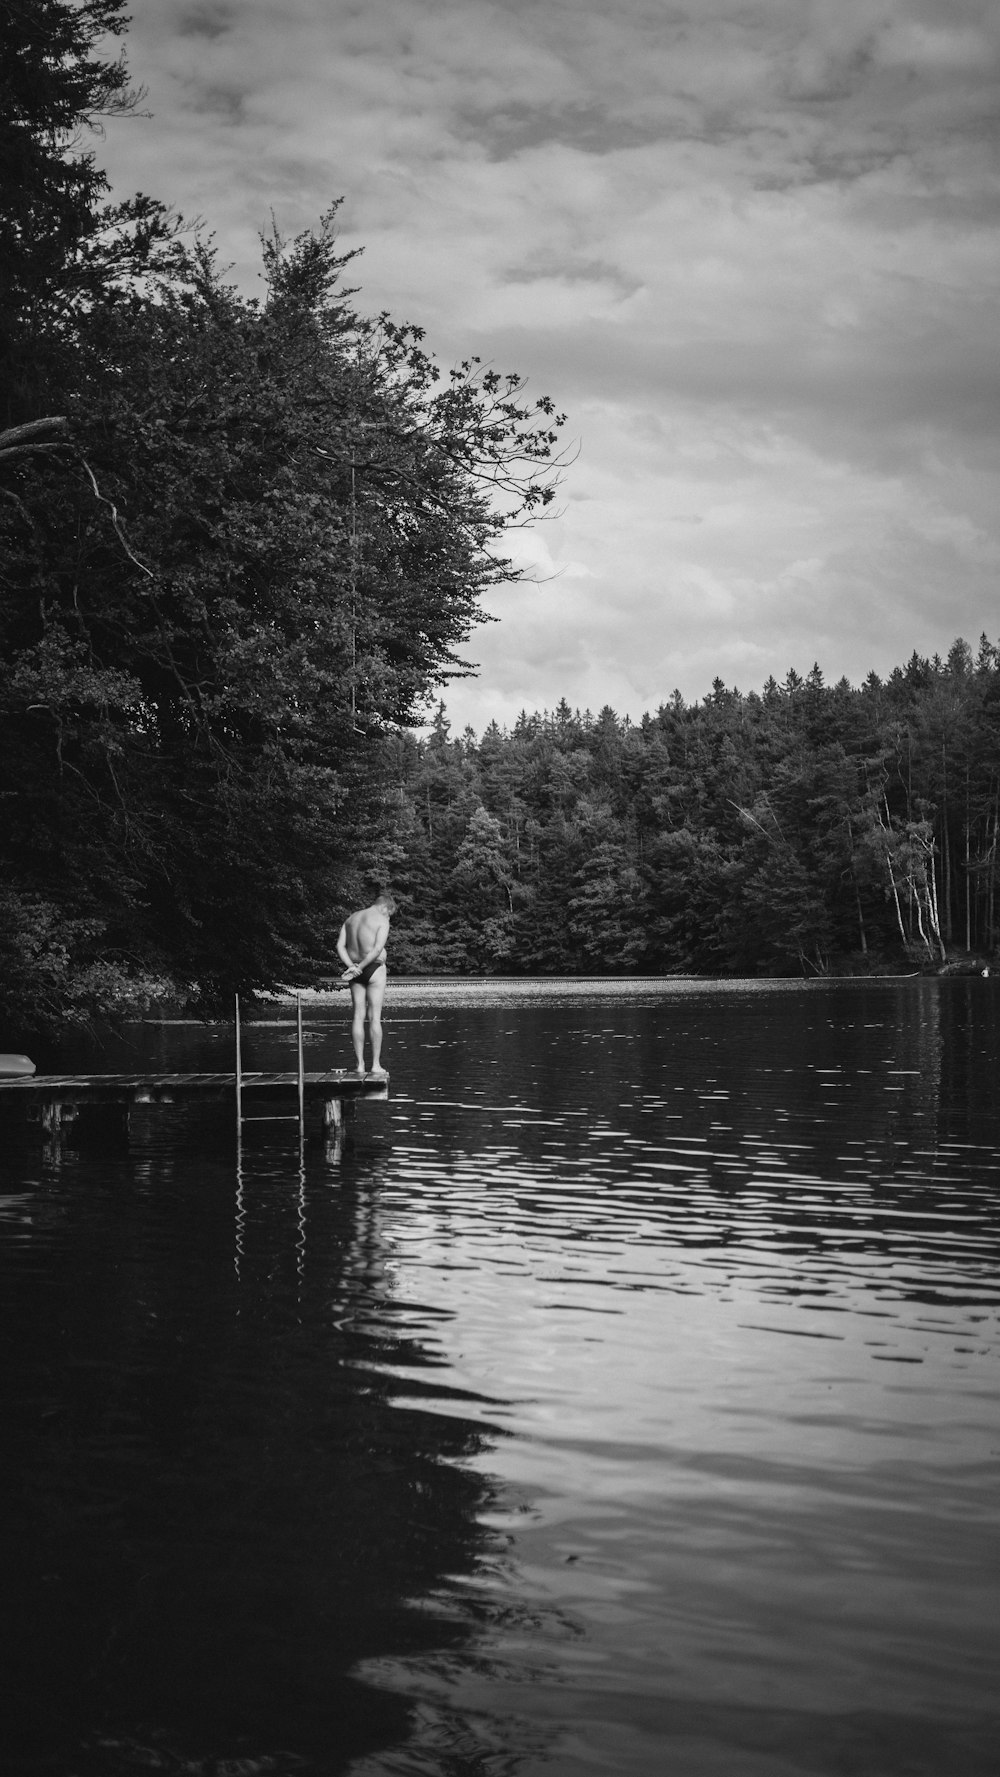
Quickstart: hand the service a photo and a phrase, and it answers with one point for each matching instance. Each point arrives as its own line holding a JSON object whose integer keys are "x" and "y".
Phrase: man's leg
{"x": 358, "y": 1023}
{"x": 376, "y": 988}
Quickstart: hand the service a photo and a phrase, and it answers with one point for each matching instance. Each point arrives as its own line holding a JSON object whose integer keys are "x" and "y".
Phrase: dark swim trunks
{"x": 364, "y": 975}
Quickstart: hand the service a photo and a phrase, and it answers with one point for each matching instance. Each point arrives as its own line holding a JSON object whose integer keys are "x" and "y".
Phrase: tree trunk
{"x": 992, "y": 879}
{"x": 945, "y": 849}
{"x": 968, "y": 877}
{"x": 933, "y": 916}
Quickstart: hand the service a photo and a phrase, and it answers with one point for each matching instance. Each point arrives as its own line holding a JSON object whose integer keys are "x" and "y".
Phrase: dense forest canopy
{"x": 805, "y": 829}
{"x": 241, "y": 543}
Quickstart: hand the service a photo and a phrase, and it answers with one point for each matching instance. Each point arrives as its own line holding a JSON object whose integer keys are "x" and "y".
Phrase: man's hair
{"x": 384, "y": 899}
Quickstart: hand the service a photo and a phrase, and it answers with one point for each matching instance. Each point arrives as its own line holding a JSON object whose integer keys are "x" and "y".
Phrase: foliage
{"x": 242, "y": 543}
{"x": 63, "y": 251}
{"x": 806, "y": 830}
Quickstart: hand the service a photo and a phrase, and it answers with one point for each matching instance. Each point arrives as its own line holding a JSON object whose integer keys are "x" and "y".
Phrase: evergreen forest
{"x": 806, "y": 829}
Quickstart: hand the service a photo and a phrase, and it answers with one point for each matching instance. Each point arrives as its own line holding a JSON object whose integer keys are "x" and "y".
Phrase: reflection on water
{"x": 624, "y": 1401}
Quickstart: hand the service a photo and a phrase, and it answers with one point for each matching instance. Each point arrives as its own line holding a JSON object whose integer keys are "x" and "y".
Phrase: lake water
{"x": 626, "y": 1400}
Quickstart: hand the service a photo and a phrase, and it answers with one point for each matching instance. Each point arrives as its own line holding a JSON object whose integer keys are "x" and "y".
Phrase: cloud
{"x": 752, "y": 250}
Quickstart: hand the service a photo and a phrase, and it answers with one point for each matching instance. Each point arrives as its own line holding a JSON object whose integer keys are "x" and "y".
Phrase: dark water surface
{"x": 626, "y": 1400}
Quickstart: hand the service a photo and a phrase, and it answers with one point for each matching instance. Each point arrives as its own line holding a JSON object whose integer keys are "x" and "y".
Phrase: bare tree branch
{"x": 15, "y": 436}
{"x": 123, "y": 540}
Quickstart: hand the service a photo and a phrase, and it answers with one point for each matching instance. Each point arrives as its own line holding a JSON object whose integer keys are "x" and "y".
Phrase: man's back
{"x": 364, "y": 929}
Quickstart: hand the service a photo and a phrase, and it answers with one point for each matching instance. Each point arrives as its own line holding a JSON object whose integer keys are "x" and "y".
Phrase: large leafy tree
{"x": 242, "y": 543}
{"x": 62, "y": 247}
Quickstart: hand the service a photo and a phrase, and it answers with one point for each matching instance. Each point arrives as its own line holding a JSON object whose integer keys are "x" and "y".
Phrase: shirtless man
{"x": 361, "y": 946}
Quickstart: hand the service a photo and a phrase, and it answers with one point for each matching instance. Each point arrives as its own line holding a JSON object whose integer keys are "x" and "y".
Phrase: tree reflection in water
{"x": 214, "y": 1510}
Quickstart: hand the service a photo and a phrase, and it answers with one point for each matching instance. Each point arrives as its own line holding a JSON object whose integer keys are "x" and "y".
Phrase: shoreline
{"x": 414, "y": 989}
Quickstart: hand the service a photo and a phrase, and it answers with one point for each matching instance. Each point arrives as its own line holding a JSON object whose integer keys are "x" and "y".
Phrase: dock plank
{"x": 149, "y": 1088}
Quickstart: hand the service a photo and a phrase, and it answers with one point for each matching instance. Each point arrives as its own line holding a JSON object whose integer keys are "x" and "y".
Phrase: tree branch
{"x": 123, "y": 540}
{"x": 17, "y": 436}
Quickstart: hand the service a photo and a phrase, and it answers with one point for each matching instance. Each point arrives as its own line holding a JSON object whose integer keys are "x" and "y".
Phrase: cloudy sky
{"x": 750, "y": 246}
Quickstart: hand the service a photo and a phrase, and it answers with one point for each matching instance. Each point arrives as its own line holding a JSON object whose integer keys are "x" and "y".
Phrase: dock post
{"x": 302, "y": 1071}
{"x": 333, "y": 1129}
{"x": 239, "y": 1076}
{"x": 52, "y": 1117}
{"x": 56, "y": 1116}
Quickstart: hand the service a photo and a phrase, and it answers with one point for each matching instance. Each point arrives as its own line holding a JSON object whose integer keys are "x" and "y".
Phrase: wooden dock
{"x": 54, "y": 1101}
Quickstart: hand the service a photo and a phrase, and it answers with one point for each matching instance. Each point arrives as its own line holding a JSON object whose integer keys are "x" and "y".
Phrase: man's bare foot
{"x": 377, "y": 1073}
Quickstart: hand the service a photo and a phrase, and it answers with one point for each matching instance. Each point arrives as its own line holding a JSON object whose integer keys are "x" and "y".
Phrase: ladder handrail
{"x": 302, "y": 1071}
{"x": 239, "y": 1073}
{"x": 301, "y": 1117}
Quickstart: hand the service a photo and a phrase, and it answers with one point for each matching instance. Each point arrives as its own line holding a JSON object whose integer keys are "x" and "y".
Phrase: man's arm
{"x": 377, "y": 944}
{"x": 342, "y": 950}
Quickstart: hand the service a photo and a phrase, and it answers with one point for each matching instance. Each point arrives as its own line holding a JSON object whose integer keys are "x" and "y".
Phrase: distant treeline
{"x": 808, "y": 828}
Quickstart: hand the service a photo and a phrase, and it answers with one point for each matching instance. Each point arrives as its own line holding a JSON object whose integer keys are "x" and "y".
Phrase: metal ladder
{"x": 242, "y": 1086}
